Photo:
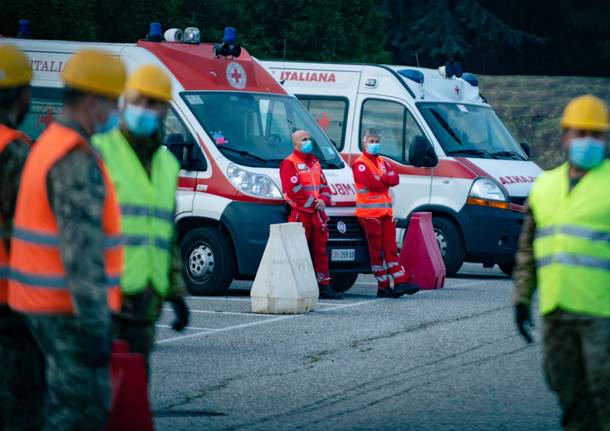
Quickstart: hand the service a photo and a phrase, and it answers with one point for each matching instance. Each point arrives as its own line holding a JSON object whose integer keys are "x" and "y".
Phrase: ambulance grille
{"x": 352, "y": 229}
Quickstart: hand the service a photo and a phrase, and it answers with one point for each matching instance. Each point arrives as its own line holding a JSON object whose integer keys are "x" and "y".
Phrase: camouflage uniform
{"x": 76, "y": 348}
{"x": 576, "y": 349}
{"x": 21, "y": 362}
{"x": 139, "y": 313}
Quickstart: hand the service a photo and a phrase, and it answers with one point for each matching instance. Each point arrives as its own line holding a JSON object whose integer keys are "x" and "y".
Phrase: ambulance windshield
{"x": 470, "y": 130}
{"x": 255, "y": 129}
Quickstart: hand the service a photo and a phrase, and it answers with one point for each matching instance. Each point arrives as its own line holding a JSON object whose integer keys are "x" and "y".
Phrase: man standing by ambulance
{"x": 66, "y": 257}
{"x": 21, "y": 362}
{"x": 374, "y": 177}
{"x": 564, "y": 251}
{"x": 306, "y": 191}
{"x": 145, "y": 175}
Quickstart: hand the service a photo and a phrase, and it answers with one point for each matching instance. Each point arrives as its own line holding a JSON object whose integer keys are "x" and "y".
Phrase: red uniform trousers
{"x": 316, "y": 233}
{"x": 380, "y": 234}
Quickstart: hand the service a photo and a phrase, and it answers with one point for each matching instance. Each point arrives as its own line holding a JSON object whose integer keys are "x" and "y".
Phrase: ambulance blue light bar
{"x": 155, "y": 33}
{"x": 413, "y": 75}
{"x": 230, "y": 35}
{"x": 471, "y": 79}
{"x": 24, "y": 29}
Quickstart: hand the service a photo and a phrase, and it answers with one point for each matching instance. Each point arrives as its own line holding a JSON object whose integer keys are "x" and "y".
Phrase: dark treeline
{"x": 551, "y": 37}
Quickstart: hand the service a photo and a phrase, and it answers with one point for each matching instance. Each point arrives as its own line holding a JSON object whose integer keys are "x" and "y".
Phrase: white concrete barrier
{"x": 285, "y": 282}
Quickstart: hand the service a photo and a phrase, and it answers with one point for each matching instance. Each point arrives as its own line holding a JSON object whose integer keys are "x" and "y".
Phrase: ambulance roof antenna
{"x": 417, "y": 58}
{"x": 284, "y": 62}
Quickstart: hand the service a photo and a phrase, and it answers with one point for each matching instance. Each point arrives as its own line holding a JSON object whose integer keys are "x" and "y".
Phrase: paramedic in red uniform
{"x": 374, "y": 177}
{"x": 307, "y": 192}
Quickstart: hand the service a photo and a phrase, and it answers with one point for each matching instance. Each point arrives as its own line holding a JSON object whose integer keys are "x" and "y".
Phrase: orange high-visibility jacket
{"x": 369, "y": 203}
{"x": 310, "y": 181}
{"x": 37, "y": 277}
{"x": 7, "y": 135}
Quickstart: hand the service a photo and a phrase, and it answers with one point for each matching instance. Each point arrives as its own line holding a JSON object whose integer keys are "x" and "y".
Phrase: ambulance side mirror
{"x": 526, "y": 149}
{"x": 186, "y": 152}
{"x": 421, "y": 153}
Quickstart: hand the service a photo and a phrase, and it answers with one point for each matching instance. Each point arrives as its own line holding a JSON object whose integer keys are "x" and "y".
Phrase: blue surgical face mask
{"x": 373, "y": 148}
{"x": 111, "y": 122}
{"x": 141, "y": 121}
{"x": 306, "y": 146}
{"x": 587, "y": 152}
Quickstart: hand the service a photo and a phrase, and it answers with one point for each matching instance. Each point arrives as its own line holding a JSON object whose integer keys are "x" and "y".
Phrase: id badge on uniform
{"x": 302, "y": 167}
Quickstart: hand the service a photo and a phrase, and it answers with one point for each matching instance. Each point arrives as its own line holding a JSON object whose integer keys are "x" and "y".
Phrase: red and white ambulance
{"x": 230, "y": 125}
{"x": 455, "y": 156}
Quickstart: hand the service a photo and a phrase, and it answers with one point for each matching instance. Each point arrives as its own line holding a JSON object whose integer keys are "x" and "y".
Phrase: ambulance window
{"x": 45, "y": 105}
{"x": 331, "y": 116}
{"x": 398, "y": 127}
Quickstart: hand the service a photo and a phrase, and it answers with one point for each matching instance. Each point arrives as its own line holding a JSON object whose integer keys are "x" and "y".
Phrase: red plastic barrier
{"x": 420, "y": 254}
{"x": 130, "y": 407}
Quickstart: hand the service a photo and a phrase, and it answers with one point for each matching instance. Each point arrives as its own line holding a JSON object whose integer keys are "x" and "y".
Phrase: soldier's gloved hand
{"x": 182, "y": 314}
{"x": 97, "y": 348}
{"x": 523, "y": 319}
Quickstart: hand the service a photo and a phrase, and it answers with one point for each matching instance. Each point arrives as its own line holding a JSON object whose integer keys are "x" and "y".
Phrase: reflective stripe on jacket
{"x": 147, "y": 211}
{"x": 572, "y": 241}
{"x": 7, "y": 135}
{"x": 37, "y": 277}
{"x": 370, "y": 203}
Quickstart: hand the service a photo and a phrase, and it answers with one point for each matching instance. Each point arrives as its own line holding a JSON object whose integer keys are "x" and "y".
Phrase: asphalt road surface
{"x": 447, "y": 359}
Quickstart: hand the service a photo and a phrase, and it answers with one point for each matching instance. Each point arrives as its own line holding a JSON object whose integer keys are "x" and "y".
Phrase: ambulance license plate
{"x": 343, "y": 254}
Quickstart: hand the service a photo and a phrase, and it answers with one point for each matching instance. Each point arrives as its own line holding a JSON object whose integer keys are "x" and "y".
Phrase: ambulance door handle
{"x": 446, "y": 181}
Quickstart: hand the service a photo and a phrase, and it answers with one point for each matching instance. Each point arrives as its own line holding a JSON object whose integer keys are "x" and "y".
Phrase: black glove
{"x": 182, "y": 314}
{"x": 523, "y": 319}
{"x": 96, "y": 350}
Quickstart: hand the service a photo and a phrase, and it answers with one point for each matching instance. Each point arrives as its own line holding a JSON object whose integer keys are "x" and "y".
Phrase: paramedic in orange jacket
{"x": 306, "y": 191}
{"x": 374, "y": 177}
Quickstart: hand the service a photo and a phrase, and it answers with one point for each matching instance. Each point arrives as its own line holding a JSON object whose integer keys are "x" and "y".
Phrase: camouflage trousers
{"x": 22, "y": 384}
{"x": 78, "y": 394}
{"x": 577, "y": 367}
{"x": 140, "y": 336}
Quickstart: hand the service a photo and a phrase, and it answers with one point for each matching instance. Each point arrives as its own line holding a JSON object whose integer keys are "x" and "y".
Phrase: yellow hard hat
{"x": 15, "y": 70}
{"x": 150, "y": 81}
{"x": 586, "y": 113}
{"x": 96, "y": 72}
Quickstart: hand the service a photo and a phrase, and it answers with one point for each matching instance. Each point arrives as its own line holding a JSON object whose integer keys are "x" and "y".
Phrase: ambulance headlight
{"x": 486, "y": 192}
{"x": 250, "y": 183}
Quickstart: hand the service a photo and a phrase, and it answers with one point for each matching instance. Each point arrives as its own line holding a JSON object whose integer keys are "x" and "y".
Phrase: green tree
{"x": 444, "y": 30}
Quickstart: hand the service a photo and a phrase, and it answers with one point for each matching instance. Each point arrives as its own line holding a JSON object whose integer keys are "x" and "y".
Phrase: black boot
{"x": 327, "y": 292}
{"x": 406, "y": 288}
{"x": 387, "y": 292}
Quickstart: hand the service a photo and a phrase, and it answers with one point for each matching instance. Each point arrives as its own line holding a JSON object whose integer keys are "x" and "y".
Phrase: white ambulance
{"x": 454, "y": 155}
{"x": 230, "y": 125}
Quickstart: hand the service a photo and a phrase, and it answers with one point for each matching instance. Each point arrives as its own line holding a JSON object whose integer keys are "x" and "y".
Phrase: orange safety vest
{"x": 310, "y": 181}
{"x": 7, "y": 135}
{"x": 37, "y": 277}
{"x": 368, "y": 203}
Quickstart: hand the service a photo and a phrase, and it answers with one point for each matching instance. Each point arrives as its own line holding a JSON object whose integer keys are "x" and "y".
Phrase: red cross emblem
{"x": 236, "y": 75}
{"x": 46, "y": 117}
{"x": 457, "y": 90}
{"x": 324, "y": 121}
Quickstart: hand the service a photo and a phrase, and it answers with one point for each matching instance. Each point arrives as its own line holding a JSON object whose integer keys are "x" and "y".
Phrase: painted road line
{"x": 248, "y": 325}
{"x": 228, "y": 313}
{"x": 228, "y": 328}
{"x": 194, "y": 328}
{"x": 353, "y": 304}
{"x": 228, "y": 298}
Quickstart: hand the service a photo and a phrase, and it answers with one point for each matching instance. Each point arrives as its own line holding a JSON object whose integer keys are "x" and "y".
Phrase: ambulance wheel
{"x": 209, "y": 264}
{"x": 507, "y": 267}
{"x": 450, "y": 244}
{"x": 343, "y": 282}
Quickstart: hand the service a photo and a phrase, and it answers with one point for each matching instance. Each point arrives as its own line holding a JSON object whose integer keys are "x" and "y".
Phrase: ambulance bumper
{"x": 490, "y": 235}
{"x": 248, "y": 224}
